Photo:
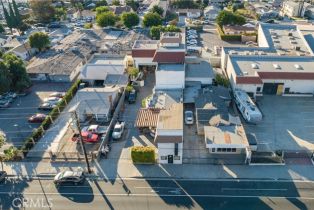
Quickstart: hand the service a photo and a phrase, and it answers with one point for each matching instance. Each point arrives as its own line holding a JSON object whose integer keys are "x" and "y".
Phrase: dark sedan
{"x": 37, "y": 118}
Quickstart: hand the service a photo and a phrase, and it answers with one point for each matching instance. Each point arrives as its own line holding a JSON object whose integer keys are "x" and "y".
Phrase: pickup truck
{"x": 87, "y": 137}
{"x": 97, "y": 129}
{"x": 118, "y": 130}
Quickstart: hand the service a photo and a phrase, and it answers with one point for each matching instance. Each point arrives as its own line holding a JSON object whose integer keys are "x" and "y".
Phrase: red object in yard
{"x": 87, "y": 137}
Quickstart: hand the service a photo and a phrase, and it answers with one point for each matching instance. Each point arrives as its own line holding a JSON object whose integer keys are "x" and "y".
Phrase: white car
{"x": 118, "y": 130}
{"x": 52, "y": 99}
{"x": 188, "y": 117}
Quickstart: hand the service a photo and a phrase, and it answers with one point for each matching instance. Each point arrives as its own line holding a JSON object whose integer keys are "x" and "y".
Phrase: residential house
{"x": 118, "y": 10}
{"x": 211, "y": 12}
{"x": 190, "y": 13}
{"x": 198, "y": 70}
{"x": 20, "y": 47}
{"x": 293, "y": 8}
{"x": 105, "y": 70}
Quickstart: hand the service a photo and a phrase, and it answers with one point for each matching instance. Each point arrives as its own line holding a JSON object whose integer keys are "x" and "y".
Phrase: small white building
{"x": 190, "y": 13}
{"x": 211, "y": 12}
{"x": 170, "y": 76}
{"x": 169, "y": 134}
{"x": 293, "y": 8}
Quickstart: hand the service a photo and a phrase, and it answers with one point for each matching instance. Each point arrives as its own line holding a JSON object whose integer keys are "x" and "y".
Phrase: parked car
{"x": 118, "y": 130}
{"x": 132, "y": 97}
{"x": 70, "y": 177}
{"x": 4, "y": 104}
{"x": 97, "y": 129}
{"x": 88, "y": 137}
{"x": 3, "y": 176}
{"x": 53, "y": 99}
{"x": 57, "y": 94}
{"x": 188, "y": 117}
{"x": 37, "y": 118}
{"x": 47, "y": 106}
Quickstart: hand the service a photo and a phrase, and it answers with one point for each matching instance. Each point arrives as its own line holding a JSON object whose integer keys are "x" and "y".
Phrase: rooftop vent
{"x": 276, "y": 66}
{"x": 254, "y": 66}
{"x": 298, "y": 67}
{"x": 297, "y": 48}
{"x": 245, "y": 73}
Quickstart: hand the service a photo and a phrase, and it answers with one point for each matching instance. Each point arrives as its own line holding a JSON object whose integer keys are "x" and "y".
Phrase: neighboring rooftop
{"x": 199, "y": 69}
{"x": 255, "y": 65}
{"x": 165, "y": 98}
{"x": 226, "y": 135}
{"x": 145, "y": 44}
{"x": 171, "y": 67}
{"x": 172, "y": 118}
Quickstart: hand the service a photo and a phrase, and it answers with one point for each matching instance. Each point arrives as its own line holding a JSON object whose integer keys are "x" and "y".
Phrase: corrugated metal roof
{"x": 147, "y": 117}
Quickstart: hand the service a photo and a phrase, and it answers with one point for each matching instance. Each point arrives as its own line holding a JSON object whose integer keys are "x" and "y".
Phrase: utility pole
{"x": 81, "y": 140}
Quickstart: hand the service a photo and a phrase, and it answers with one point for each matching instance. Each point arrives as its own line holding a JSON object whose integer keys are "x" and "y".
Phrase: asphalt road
{"x": 169, "y": 194}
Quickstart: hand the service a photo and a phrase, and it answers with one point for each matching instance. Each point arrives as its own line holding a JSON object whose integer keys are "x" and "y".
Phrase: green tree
{"x": 133, "y": 72}
{"x": 106, "y": 19}
{"x": 11, "y": 153}
{"x": 133, "y": 4}
{"x": 152, "y": 19}
{"x": 185, "y": 4}
{"x": 205, "y": 2}
{"x": 60, "y": 13}
{"x": 16, "y": 67}
{"x": 39, "y": 40}
{"x": 5, "y": 80}
{"x": 17, "y": 16}
{"x": 155, "y": 31}
{"x": 226, "y": 17}
{"x": 8, "y": 18}
{"x": 157, "y": 9}
{"x": 130, "y": 19}
{"x": 2, "y": 142}
{"x": 101, "y": 9}
{"x": 1, "y": 29}
{"x": 116, "y": 2}
{"x": 101, "y": 3}
{"x": 42, "y": 11}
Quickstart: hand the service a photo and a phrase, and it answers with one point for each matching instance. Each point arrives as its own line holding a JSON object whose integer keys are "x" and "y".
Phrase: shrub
{"x": 141, "y": 154}
{"x": 222, "y": 80}
{"x": 227, "y": 37}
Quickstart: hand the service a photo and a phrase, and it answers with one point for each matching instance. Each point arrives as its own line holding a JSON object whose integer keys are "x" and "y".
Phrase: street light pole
{"x": 81, "y": 140}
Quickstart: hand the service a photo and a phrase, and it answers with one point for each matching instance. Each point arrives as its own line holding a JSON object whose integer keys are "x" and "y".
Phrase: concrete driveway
{"x": 288, "y": 123}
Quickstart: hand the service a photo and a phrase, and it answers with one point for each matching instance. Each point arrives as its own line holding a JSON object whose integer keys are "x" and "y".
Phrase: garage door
{"x": 271, "y": 88}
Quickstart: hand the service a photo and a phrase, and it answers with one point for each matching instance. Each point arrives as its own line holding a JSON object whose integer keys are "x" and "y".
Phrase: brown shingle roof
{"x": 147, "y": 117}
{"x": 169, "y": 57}
{"x": 143, "y": 53}
{"x": 168, "y": 139}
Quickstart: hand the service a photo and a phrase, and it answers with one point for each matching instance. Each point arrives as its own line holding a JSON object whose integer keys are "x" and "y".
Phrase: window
{"x": 233, "y": 150}
{"x": 224, "y": 149}
{"x": 176, "y": 157}
{"x": 228, "y": 149}
{"x": 287, "y": 90}
{"x": 176, "y": 148}
{"x": 213, "y": 149}
{"x": 163, "y": 157}
{"x": 218, "y": 149}
{"x": 258, "y": 89}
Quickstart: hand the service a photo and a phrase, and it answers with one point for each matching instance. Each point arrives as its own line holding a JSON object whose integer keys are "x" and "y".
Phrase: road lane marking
{"x": 175, "y": 188}
{"x": 252, "y": 189}
{"x": 162, "y": 195}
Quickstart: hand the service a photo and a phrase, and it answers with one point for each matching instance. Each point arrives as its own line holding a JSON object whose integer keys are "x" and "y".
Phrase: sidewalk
{"x": 109, "y": 169}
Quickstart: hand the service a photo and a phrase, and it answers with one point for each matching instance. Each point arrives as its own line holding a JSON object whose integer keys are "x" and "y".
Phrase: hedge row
{"x": 141, "y": 154}
{"x": 228, "y": 37}
{"x": 38, "y": 133}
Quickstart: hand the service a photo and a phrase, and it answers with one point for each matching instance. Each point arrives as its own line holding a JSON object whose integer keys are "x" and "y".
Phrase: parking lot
{"x": 288, "y": 123}
{"x": 14, "y": 120}
{"x": 210, "y": 38}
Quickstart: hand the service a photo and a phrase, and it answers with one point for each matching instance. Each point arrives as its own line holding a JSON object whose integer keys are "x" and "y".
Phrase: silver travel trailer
{"x": 247, "y": 107}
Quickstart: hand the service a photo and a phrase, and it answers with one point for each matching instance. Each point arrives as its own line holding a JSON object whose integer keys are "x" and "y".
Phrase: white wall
{"x": 143, "y": 61}
{"x": 203, "y": 80}
{"x": 170, "y": 79}
{"x": 165, "y": 149}
{"x": 262, "y": 41}
{"x": 300, "y": 86}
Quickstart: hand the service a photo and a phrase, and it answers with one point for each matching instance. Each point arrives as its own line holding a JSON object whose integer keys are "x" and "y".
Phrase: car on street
{"x": 88, "y": 137}
{"x": 70, "y": 177}
{"x": 118, "y": 130}
{"x": 188, "y": 117}
{"x": 4, "y": 104}
{"x": 3, "y": 176}
{"x": 37, "y": 118}
{"x": 97, "y": 129}
{"x": 52, "y": 99}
